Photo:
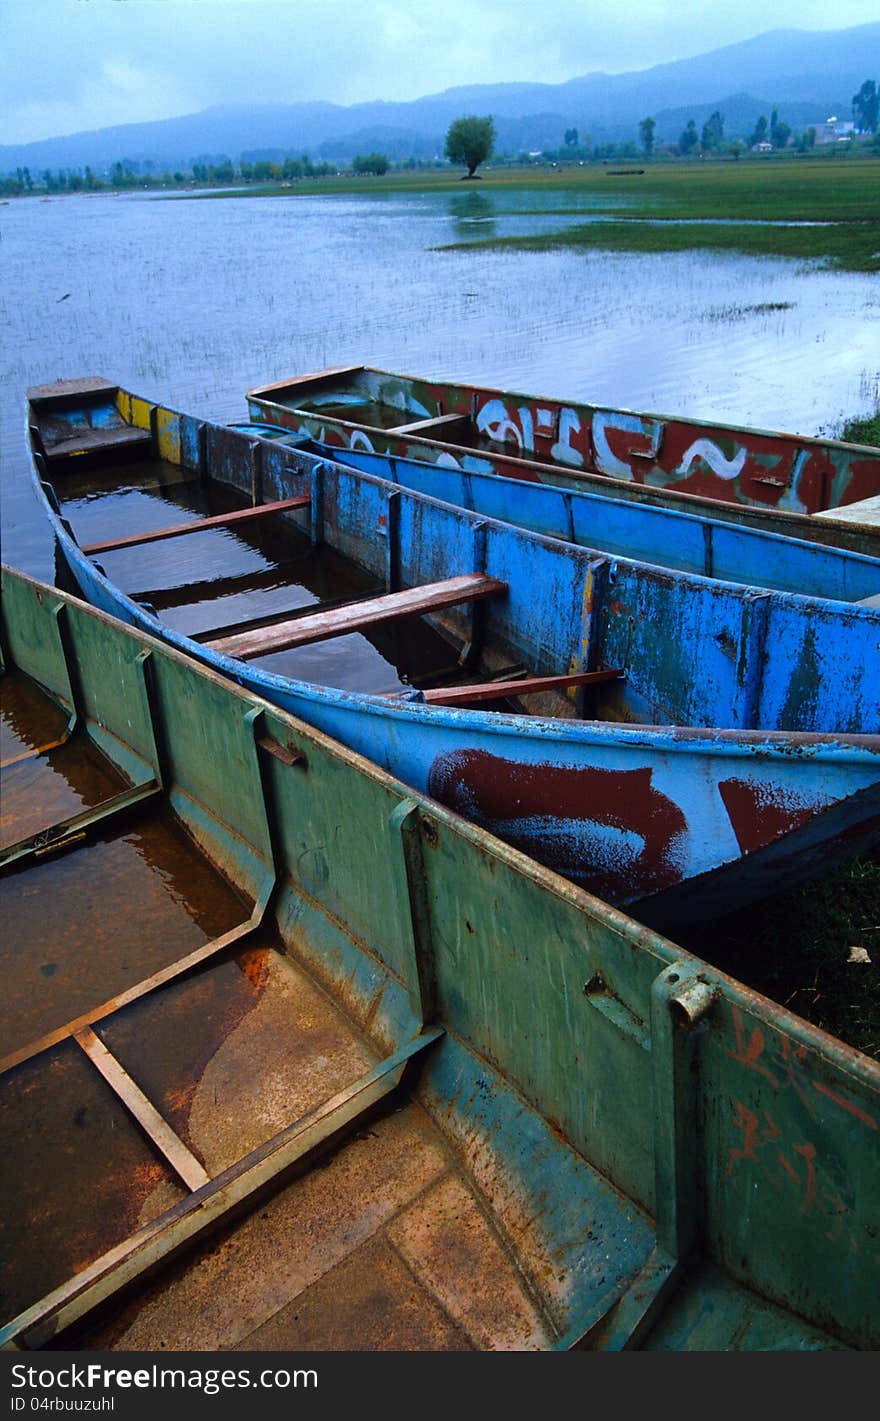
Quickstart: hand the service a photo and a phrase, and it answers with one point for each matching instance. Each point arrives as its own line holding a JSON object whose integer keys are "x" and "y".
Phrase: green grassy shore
{"x": 662, "y": 200}
{"x": 797, "y": 949}
{"x": 838, "y": 198}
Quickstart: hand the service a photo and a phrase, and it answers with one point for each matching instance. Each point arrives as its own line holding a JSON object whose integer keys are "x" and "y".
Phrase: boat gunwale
{"x": 690, "y": 517}
{"x": 811, "y": 439}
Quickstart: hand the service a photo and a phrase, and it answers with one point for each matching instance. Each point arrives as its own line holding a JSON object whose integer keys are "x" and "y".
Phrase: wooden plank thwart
{"x": 314, "y": 377}
{"x": 355, "y": 616}
{"x": 54, "y": 836}
{"x": 439, "y": 423}
{"x": 35, "y": 753}
{"x": 219, "y": 520}
{"x": 92, "y": 441}
{"x": 525, "y": 686}
{"x": 865, "y": 513}
{"x": 182, "y": 1161}
{"x": 69, "y": 389}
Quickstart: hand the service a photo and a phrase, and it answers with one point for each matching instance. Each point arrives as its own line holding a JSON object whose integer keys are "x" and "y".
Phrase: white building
{"x": 834, "y": 129}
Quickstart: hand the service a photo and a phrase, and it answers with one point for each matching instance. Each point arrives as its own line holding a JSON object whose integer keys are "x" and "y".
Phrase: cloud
{"x": 119, "y": 92}
{"x": 67, "y": 65}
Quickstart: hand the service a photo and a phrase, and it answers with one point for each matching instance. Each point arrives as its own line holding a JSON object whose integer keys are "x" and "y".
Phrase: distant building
{"x": 762, "y": 147}
{"x": 834, "y": 129}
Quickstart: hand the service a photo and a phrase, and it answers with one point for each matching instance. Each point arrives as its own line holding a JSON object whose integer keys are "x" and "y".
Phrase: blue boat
{"x": 667, "y": 740}
{"x": 687, "y": 542}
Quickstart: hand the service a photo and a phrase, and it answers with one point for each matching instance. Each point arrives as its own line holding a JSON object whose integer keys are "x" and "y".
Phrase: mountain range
{"x": 807, "y": 75}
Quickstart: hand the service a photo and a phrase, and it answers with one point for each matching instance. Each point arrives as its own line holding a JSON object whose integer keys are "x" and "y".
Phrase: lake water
{"x": 190, "y": 302}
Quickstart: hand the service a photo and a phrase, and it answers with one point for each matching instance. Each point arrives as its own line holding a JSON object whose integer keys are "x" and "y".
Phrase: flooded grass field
{"x": 193, "y": 301}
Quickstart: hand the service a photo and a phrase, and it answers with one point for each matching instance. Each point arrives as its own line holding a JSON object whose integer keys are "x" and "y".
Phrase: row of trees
{"x": 128, "y": 174}
{"x": 470, "y": 141}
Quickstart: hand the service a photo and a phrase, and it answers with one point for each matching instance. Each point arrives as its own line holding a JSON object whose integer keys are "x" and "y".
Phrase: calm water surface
{"x": 190, "y": 302}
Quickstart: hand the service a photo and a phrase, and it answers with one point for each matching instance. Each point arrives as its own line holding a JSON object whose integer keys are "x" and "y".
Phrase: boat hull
{"x": 684, "y": 542}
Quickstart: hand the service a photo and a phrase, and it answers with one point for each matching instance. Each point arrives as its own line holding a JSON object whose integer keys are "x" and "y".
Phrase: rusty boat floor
{"x": 384, "y": 1245}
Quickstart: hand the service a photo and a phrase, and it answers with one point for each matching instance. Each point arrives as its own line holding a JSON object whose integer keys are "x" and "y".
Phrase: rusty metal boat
{"x": 763, "y": 479}
{"x": 667, "y": 740}
{"x": 477, "y": 1107}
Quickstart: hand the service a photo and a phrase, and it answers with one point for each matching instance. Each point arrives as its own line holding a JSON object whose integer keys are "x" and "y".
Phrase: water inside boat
{"x": 458, "y": 429}
{"x": 217, "y": 581}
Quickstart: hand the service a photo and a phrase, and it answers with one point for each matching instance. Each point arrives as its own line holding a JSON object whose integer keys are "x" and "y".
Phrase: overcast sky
{"x": 68, "y": 65}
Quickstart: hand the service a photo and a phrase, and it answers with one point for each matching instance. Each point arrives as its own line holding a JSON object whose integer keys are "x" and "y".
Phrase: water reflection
{"x": 473, "y": 216}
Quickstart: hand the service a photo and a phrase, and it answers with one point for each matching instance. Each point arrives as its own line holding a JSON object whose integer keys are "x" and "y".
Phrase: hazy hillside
{"x": 806, "y": 74}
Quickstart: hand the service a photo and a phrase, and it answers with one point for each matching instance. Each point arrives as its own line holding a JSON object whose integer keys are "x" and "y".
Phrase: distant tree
{"x": 375, "y": 163}
{"x": 689, "y": 138}
{"x": 866, "y": 107}
{"x": 759, "y": 133}
{"x": 736, "y": 148}
{"x": 779, "y": 132}
{"x": 806, "y": 140}
{"x": 571, "y": 138}
{"x": 712, "y": 135}
{"x": 470, "y": 140}
{"x": 646, "y": 134}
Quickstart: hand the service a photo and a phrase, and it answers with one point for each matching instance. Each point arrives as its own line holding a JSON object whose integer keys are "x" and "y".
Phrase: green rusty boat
{"x": 478, "y": 1107}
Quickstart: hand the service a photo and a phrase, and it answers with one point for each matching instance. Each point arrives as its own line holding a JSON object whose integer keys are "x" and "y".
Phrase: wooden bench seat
{"x": 355, "y": 616}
